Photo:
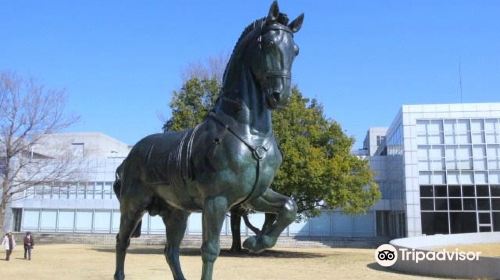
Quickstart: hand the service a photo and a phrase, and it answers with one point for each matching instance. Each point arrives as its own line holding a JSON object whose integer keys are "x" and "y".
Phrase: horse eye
{"x": 296, "y": 49}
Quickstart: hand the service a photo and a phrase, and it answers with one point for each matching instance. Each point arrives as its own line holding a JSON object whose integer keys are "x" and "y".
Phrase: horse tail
{"x": 117, "y": 188}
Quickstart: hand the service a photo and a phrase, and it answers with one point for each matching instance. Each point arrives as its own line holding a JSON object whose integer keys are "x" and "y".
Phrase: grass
{"x": 90, "y": 262}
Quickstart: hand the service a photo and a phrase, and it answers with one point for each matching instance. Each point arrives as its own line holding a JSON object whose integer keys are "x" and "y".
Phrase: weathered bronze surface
{"x": 229, "y": 160}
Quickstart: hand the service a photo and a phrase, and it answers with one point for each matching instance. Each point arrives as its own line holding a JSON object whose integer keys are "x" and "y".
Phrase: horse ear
{"x": 296, "y": 24}
{"x": 274, "y": 12}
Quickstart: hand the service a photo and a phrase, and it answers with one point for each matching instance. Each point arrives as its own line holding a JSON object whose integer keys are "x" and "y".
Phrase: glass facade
{"x": 459, "y": 174}
{"x": 68, "y": 190}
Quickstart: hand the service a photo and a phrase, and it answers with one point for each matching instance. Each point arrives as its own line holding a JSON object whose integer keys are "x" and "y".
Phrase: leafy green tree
{"x": 318, "y": 169}
{"x": 191, "y": 104}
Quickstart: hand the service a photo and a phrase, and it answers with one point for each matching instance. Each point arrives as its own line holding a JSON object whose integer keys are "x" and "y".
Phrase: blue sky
{"x": 120, "y": 60}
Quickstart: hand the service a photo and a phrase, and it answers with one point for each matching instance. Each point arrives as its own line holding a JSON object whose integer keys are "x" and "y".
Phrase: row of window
{"x": 459, "y": 177}
{"x": 103, "y": 221}
{"x": 464, "y": 157}
{"x": 460, "y": 191}
{"x": 459, "y": 222}
{"x": 457, "y": 139}
{"x": 394, "y": 142}
{"x": 458, "y": 131}
{"x": 457, "y": 126}
{"x": 460, "y": 152}
{"x": 91, "y": 190}
{"x": 459, "y": 204}
{"x": 332, "y": 223}
{"x": 453, "y": 164}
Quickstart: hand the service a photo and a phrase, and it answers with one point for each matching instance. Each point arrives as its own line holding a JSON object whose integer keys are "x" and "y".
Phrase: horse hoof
{"x": 250, "y": 243}
{"x": 257, "y": 244}
{"x": 119, "y": 276}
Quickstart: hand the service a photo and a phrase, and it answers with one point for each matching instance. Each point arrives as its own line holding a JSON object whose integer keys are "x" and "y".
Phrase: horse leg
{"x": 175, "y": 222}
{"x": 130, "y": 218}
{"x": 214, "y": 213}
{"x": 285, "y": 210}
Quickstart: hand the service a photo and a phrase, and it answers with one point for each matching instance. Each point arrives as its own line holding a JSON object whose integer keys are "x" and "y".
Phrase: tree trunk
{"x": 236, "y": 231}
{"x": 2, "y": 218}
{"x": 3, "y": 203}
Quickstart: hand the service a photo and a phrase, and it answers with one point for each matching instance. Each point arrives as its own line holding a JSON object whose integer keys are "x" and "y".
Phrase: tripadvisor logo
{"x": 387, "y": 255}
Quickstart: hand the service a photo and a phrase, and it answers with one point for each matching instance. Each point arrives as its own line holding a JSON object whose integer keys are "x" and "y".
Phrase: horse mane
{"x": 282, "y": 19}
{"x": 237, "y": 47}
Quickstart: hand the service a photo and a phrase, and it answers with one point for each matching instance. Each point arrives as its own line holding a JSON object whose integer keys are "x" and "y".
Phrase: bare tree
{"x": 28, "y": 112}
{"x": 212, "y": 68}
{"x": 209, "y": 69}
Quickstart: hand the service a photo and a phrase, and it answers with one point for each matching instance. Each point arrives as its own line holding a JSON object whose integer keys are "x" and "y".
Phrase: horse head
{"x": 269, "y": 50}
{"x": 273, "y": 56}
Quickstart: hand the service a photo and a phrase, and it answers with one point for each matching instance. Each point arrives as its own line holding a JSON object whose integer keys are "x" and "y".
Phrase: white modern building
{"x": 439, "y": 169}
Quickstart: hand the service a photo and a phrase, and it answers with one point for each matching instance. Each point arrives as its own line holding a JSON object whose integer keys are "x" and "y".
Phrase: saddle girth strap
{"x": 258, "y": 151}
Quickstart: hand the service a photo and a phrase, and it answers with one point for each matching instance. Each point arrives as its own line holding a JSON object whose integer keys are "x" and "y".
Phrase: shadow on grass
{"x": 278, "y": 254}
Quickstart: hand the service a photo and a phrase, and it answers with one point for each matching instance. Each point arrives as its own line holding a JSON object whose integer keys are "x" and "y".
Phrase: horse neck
{"x": 253, "y": 116}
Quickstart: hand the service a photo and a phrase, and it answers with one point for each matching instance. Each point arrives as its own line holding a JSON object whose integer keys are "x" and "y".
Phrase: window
{"x": 90, "y": 191}
{"x": 83, "y": 220}
{"x": 39, "y": 192}
{"x": 80, "y": 193}
{"x": 426, "y": 191}
{"x": 483, "y": 204}
{"x": 469, "y": 204}
{"x": 107, "y": 190}
{"x": 434, "y": 223}
{"x": 77, "y": 149}
{"x": 496, "y": 221}
{"x": 477, "y": 131}
{"x": 441, "y": 204}
{"x": 454, "y": 191}
{"x": 495, "y": 203}
{"x": 455, "y": 204}
{"x": 47, "y": 190}
{"x": 98, "y": 190}
{"x": 484, "y": 218}
{"x": 427, "y": 204}
{"x": 490, "y": 127}
{"x": 462, "y": 222}
{"x": 66, "y": 220}
{"x": 380, "y": 140}
{"x": 468, "y": 191}
{"x": 482, "y": 190}
{"x": 72, "y": 191}
{"x": 30, "y": 192}
{"x": 495, "y": 190}
{"x": 440, "y": 191}
{"x": 48, "y": 220}
{"x": 63, "y": 192}
{"x": 116, "y": 221}
{"x": 102, "y": 221}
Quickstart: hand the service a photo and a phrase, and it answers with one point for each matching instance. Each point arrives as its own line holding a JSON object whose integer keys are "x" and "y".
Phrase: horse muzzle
{"x": 277, "y": 92}
{"x": 277, "y": 99}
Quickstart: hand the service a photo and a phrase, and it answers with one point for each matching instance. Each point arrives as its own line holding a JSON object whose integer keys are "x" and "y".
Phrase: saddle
{"x": 179, "y": 158}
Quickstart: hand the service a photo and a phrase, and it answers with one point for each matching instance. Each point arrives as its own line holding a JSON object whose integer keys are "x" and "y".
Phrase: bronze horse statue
{"x": 229, "y": 160}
